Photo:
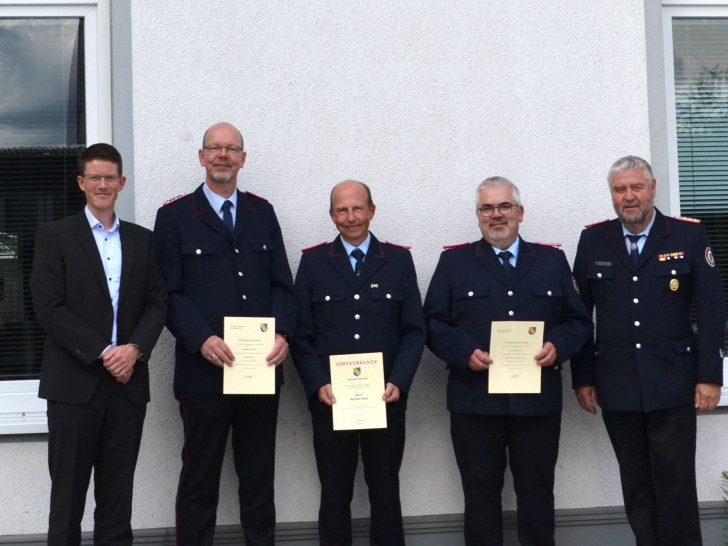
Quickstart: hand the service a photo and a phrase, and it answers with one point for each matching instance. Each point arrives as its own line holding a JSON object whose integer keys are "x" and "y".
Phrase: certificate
{"x": 250, "y": 339}
{"x": 358, "y": 384}
{"x": 513, "y": 344}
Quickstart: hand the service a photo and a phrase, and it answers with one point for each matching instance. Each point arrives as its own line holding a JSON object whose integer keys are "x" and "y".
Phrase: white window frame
{"x": 670, "y": 10}
{"x": 21, "y": 411}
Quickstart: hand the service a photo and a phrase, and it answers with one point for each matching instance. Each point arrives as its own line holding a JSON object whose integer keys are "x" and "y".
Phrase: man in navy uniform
{"x": 221, "y": 254}
{"x": 501, "y": 277}
{"x": 358, "y": 295}
{"x": 646, "y": 369}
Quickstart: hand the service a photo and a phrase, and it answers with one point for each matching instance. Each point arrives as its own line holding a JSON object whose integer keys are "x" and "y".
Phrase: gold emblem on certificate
{"x": 513, "y": 345}
{"x": 357, "y": 381}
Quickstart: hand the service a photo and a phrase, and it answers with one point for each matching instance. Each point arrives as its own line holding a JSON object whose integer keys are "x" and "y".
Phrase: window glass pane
{"x": 42, "y": 133}
{"x": 701, "y": 99}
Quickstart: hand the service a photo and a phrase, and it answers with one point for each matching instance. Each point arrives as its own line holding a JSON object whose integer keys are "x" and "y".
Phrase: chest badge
{"x": 674, "y": 285}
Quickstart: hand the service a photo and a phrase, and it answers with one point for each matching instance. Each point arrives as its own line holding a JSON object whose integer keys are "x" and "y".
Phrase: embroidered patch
{"x": 709, "y": 257}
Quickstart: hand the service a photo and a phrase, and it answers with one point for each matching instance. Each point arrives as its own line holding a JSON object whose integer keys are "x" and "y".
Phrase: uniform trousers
{"x": 656, "y": 455}
{"x": 337, "y": 455}
{"x": 207, "y": 419}
{"x": 103, "y": 434}
{"x": 484, "y": 445}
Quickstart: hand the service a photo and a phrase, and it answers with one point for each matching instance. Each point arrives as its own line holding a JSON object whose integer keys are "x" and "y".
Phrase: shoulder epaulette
{"x": 449, "y": 247}
{"x": 176, "y": 199}
{"x": 398, "y": 246}
{"x": 554, "y": 245}
{"x": 256, "y": 196}
{"x": 314, "y": 246}
{"x": 596, "y": 224}
{"x": 686, "y": 219}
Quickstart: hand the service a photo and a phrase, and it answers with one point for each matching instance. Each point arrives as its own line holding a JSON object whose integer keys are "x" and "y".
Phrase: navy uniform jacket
{"x": 469, "y": 290}
{"x": 210, "y": 274}
{"x": 339, "y": 313}
{"x": 646, "y": 356}
{"x": 73, "y": 305}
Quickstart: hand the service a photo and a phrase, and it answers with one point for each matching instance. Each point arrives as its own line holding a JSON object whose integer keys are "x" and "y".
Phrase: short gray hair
{"x": 630, "y": 163}
{"x": 498, "y": 181}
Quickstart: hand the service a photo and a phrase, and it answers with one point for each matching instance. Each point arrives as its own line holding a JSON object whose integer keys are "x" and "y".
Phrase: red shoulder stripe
{"x": 596, "y": 223}
{"x": 174, "y": 199}
{"x": 400, "y": 246}
{"x": 448, "y": 247}
{"x": 314, "y": 246}
{"x": 256, "y": 196}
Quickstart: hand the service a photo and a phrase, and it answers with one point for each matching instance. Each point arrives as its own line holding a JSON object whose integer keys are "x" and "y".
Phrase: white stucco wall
{"x": 421, "y": 100}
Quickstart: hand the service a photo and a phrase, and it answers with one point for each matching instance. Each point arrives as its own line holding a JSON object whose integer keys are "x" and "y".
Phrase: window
{"x": 54, "y": 100}
{"x": 696, "y": 51}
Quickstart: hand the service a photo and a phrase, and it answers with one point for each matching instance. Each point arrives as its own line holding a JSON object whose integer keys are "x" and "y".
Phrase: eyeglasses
{"x": 489, "y": 210}
{"x": 229, "y": 150}
{"x": 95, "y": 179}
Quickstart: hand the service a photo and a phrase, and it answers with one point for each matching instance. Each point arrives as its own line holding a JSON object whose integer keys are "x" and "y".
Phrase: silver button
{"x": 635, "y": 278}
{"x": 470, "y": 293}
{"x": 549, "y": 293}
{"x": 599, "y": 275}
{"x": 356, "y": 336}
{"x": 265, "y": 247}
{"x": 636, "y": 322}
{"x": 389, "y": 296}
{"x": 638, "y": 345}
{"x": 636, "y": 300}
{"x": 510, "y": 292}
{"x": 198, "y": 251}
{"x": 688, "y": 349}
{"x": 511, "y": 313}
{"x": 357, "y": 316}
{"x": 673, "y": 272}
{"x": 327, "y": 298}
{"x": 240, "y": 273}
{"x": 356, "y": 296}
{"x": 245, "y": 297}
{"x": 237, "y": 251}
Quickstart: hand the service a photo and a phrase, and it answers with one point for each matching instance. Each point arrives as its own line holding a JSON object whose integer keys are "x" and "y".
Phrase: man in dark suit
{"x": 353, "y": 305}
{"x": 99, "y": 297}
{"x": 221, "y": 254}
{"x": 647, "y": 370}
{"x": 501, "y": 277}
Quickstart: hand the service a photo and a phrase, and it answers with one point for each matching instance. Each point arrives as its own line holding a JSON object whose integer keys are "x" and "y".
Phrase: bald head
{"x": 349, "y": 184}
{"x": 225, "y": 126}
{"x": 352, "y": 210}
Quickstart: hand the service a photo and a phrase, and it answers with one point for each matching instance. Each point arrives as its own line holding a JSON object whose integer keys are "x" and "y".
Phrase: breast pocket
{"x": 387, "y": 304}
{"x": 470, "y": 303}
{"x": 601, "y": 283}
{"x": 198, "y": 262}
{"x": 548, "y": 297}
{"x": 328, "y": 308}
{"x": 673, "y": 280}
{"x": 263, "y": 256}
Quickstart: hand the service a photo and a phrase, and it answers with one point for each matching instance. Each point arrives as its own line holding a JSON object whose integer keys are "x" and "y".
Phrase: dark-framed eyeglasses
{"x": 95, "y": 179}
{"x": 229, "y": 150}
{"x": 489, "y": 210}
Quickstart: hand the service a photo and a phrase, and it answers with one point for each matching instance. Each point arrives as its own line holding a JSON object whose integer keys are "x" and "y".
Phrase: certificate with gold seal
{"x": 357, "y": 381}
{"x": 513, "y": 345}
{"x": 250, "y": 339}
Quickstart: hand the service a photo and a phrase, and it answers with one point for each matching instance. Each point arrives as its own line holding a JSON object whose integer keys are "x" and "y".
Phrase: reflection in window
{"x": 42, "y": 133}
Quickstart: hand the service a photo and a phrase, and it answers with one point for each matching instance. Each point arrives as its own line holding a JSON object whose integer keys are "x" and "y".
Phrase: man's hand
{"x": 547, "y": 355}
{"x": 216, "y": 351}
{"x": 707, "y": 396}
{"x": 479, "y": 361}
{"x": 279, "y": 352}
{"x": 326, "y": 395}
{"x": 120, "y": 360}
{"x": 587, "y": 397}
{"x": 391, "y": 393}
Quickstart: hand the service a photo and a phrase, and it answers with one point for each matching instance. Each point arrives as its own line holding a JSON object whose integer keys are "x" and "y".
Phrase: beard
{"x": 638, "y": 218}
{"x": 498, "y": 232}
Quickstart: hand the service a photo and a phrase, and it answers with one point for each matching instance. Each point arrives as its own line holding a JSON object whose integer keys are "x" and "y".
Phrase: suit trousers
{"x": 207, "y": 419}
{"x": 337, "y": 455}
{"x": 532, "y": 445}
{"x": 103, "y": 434}
{"x": 656, "y": 455}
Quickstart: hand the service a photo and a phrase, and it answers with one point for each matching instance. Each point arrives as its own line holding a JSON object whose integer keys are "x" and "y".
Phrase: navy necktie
{"x": 227, "y": 216}
{"x": 507, "y": 267}
{"x": 634, "y": 250}
{"x": 359, "y": 256}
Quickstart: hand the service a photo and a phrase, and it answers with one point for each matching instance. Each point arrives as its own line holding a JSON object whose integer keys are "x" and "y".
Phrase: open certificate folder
{"x": 513, "y": 344}
{"x": 251, "y": 339}
{"x": 358, "y": 384}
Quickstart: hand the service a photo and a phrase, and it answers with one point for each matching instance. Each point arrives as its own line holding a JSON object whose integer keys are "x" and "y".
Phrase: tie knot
{"x": 634, "y": 238}
{"x": 358, "y": 254}
{"x": 505, "y": 256}
{"x": 226, "y": 205}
